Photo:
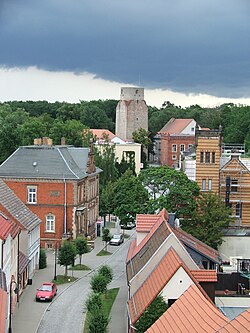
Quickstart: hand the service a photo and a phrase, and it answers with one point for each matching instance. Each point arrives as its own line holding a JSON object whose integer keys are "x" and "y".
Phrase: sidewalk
{"x": 28, "y": 313}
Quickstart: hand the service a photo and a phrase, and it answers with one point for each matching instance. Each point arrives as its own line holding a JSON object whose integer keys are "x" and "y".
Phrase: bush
{"x": 42, "y": 259}
{"x": 94, "y": 301}
{"x": 99, "y": 283}
{"x": 107, "y": 272}
{"x": 97, "y": 321}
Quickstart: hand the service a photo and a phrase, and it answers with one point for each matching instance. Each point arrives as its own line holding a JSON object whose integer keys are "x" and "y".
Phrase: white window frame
{"x": 50, "y": 223}
{"x": 203, "y": 184}
{"x": 32, "y": 194}
{"x": 182, "y": 147}
{"x": 209, "y": 184}
{"x": 238, "y": 209}
{"x": 174, "y": 148}
{"x": 174, "y": 157}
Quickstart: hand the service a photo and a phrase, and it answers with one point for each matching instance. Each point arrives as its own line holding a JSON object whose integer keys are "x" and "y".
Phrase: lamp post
{"x": 55, "y": 261}
{"x": 10, "y": 310}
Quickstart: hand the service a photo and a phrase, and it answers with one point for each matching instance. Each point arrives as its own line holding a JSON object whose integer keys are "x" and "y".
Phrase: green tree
{"x": 151, "y": 314}
{"x": 97, "y": 321}
{"x": 169, "y": 189}
{"x": 106, "y": 271}
{"x": 66, "y": 255}
{"x": 99, "y": 283}
{"x": 143, "y": 137}
{"x": 81, "y": 247}
{"x": 42, "y": 259}
{"x": 94, "y": 301}
{"x": 106, "y": 236}
{"x": 208, "y": 220}
{"x": 129, "y": 197}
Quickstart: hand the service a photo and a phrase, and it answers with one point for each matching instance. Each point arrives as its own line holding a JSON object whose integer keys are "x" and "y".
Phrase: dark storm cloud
{"x": 187, "y": 46}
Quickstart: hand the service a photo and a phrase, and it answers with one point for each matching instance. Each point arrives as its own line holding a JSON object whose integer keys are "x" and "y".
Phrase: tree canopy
{"x": 208, "y": 220}
{"x": 169, "y": 189}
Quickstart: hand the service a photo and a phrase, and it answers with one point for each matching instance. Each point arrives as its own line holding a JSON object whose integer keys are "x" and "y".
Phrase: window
{"x": 50, "y": 223}
{"x": 213, "y": 157}
{"x": 32, "y": 193}
{"x": 173, "y": 157}
{"x": 207, "y": 157}
{"x": 210, "y": 184}
{"x": 174, "y": 148}
{"x": 190, "y": 146}
{"x": 202, "y": 157}
{"x": 192, "y": 129}
{"x": 182, "y": 147}
{"x": 203, "y": 187}
{"x": 238, "y": 209}
{"x": 234, "y": 185}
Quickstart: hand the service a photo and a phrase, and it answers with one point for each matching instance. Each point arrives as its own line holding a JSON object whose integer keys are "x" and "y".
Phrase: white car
{"x": 116, "y": 239}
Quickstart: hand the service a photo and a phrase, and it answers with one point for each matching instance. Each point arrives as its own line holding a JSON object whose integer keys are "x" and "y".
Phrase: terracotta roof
{"x": 144, "y": 223}
{"x": 192, "y": 312}
{"x": 151, "y": 242}
{"x": 195, "y": 244}
{"x": 5, "y": 227}
{"x": 175, "y": 126}
{"x": 99, "y": 133}
{"x": 153, "y": 285}
{"x": 205, "y": 275}
{"x": 239, "y": 324}
{"x": 23, "y": 262}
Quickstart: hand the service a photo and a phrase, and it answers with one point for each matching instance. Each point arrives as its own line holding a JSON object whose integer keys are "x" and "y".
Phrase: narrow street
{"x": 66, "y": 312}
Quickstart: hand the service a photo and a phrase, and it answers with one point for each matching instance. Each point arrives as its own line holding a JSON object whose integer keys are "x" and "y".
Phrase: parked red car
{"x": 46, "y": 292}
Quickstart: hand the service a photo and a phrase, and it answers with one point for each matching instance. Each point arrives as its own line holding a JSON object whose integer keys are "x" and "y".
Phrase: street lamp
{"x": 55, "y": 261}
{"x": 10, "y": 314}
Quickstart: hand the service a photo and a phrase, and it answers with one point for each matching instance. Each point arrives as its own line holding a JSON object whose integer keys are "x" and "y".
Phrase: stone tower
{"x": 131, "y": 112}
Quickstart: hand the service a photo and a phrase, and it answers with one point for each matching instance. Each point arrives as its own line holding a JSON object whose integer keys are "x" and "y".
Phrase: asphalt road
{"x": 66, "y": 313}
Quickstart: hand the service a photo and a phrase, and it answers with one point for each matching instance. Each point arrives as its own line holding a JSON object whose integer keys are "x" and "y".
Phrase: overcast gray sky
{"x": 185, "y": 46}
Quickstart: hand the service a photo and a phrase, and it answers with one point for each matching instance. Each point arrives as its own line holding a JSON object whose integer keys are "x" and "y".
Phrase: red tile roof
{"x": 99, "y": 133}
{"x": 193, "y": 313}
{"x": 144, "y": 223}
{"x": 153, "y": 285}
{"x": 205, "y": 275}
{"x": 239, "y": 324}
{"x": 5, "y": 227}
{"x": 175, "y": 126}
{"x": 155, "y": 282}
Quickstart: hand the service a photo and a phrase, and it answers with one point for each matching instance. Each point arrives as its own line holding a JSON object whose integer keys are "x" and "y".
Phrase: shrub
{"x": 94, "y": 301}
{"x": 42, "y": 259}
{"x": 107, "y": 272}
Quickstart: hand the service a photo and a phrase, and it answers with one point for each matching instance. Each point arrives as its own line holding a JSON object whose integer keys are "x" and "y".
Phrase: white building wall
{"x": 235, "y": 246}
{"x": 34, "y": 249}
{"x": 177, "y": 285}
{"x": 133, "y": 147}
{"x": 188, "y": 130}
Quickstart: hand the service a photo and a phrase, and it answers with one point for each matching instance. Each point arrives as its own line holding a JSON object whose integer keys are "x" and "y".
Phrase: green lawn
{"x": 103, "y": 253}
{"x": 108, "y": 301}
{"x": 61, "y": 279}
{"x": 79, "y": 267}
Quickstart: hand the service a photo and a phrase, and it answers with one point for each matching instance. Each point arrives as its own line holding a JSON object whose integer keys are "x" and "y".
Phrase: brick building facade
{"x": 60, "y": 184}
{"x": 176, "y": 136}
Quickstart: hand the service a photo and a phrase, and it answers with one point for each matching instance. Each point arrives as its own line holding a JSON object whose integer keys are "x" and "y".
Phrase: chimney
{"x": 91, "y": 160}
{"x": 38, "y": 142}
{"x": 171, "y": 219}
{"x": 47, "y": 141}
{"x": 63, "y": 141}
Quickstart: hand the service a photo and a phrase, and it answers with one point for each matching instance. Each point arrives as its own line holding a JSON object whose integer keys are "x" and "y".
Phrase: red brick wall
{"x": 50, "y": 200}
{"x": 166, "y": 147}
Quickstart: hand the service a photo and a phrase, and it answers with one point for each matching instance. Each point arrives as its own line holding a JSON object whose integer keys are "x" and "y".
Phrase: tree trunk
{"x": 80, "y": 257}
{"x": 66, "y": 270}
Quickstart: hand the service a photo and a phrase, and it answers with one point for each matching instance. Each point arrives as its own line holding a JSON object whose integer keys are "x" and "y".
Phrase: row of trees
{"x": 21, "y": 122}
{"x": 69, "y": 250}
{"x": 97, "y": 320}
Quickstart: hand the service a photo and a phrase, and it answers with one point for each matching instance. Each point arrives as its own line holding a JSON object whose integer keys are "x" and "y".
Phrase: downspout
{"x": 65, "y": 207}
{"x": 18, "y": 276}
